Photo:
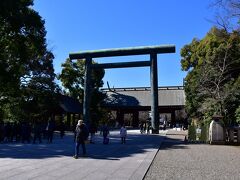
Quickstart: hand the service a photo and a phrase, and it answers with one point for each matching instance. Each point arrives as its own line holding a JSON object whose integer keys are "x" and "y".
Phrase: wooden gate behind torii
{"x": 145, "y": 50}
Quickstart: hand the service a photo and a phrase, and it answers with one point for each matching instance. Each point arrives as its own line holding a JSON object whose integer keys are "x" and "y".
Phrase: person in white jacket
{"x": 123, "y": 134}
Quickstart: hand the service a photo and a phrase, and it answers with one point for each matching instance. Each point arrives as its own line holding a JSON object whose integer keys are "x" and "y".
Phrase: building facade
{"x": 133, "y": 105}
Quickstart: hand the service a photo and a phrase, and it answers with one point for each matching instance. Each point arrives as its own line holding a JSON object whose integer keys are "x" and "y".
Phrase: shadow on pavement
{"x": 135, "y": 144}
{"x": 174, "y": 142}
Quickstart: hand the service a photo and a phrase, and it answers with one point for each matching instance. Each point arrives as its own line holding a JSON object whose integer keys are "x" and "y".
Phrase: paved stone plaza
{"x": 139, "y": 159}
{"x": 55, "y": 161}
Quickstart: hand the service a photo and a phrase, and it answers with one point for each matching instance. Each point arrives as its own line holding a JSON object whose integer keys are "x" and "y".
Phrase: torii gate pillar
{"x": 87, "y": 90}
{"x": 154, "y": 94}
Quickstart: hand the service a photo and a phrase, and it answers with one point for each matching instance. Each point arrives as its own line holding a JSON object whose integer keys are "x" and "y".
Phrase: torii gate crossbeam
{"x": 143, "y": 50}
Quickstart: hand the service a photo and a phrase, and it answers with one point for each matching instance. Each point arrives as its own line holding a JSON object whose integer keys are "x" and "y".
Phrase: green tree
{"x": 26, "y": 70}
{"x": 237, "y": 115}
{"x": 72, "y": 78}
{"x": 213, "y": 66}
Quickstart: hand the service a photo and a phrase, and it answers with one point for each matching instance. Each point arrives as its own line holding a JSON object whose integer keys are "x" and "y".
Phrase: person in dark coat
{"x": 25, "y": 132}
{"x": 105, "y": 132}
{"x": 1, "y": 131}
{"x": 92, "y": 130}
{"x": 50, "y": 130}
{"x": 81, "y": 135}
{"x": 62, "y": 129}
{"x": 142, "y": 127}
{"x": 7, "y": 131}
{"x": 37, "y": 131}
{"x": 148, "y": 125}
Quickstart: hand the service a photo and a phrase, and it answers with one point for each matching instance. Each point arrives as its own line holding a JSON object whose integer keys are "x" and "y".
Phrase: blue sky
{"x": 79, "y": 25}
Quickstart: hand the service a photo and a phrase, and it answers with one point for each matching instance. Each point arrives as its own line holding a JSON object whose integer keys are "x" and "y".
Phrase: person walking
{"x": 1, "y": 131}
{"x": 81, "y": 134}
{"x": 123, "y": 134}
{"x": 148, "y": 126}
{"x": 105, "y": 132}
{"x": 142, "y": 127}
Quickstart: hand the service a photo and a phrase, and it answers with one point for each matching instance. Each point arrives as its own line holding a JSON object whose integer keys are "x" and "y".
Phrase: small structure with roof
{"x": 70, "y": 107}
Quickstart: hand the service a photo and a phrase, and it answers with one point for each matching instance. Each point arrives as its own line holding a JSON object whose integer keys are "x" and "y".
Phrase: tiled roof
{"x": 167, "y": 96}
{"x": 69, "y": 104}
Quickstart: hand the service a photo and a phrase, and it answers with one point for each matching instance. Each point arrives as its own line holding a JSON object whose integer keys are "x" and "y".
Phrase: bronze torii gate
{"x": 151, "y": 50}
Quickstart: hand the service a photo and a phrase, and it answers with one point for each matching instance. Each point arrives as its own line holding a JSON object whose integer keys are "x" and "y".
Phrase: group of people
{"x": 26, "y": 132}
{"x": 82, "y": 133}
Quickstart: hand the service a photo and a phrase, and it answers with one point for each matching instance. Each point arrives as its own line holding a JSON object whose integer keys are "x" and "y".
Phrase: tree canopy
{"x": 72, "y": 78}
{"x": 213, "y": 79}
{"x": 26, "y": 65}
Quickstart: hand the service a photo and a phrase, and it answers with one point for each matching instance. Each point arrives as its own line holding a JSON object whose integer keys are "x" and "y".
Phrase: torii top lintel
{"x": 123, "y": 52}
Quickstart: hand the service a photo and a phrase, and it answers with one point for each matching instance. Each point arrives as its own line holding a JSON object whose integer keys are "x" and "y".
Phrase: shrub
{"x": 237, "y": 115}
{"x": 191, "y": 133}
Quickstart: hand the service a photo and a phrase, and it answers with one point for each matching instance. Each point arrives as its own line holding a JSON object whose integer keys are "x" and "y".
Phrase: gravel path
{"x": 177, "y": 160}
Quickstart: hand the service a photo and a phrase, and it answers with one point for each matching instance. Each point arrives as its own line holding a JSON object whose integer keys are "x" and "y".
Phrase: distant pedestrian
{"x": 37, "y": 131}
{"x": 1, "y": 131}
{"x": 7, "y": 132}
{"x": 142, "y": 127}
{"x": 148, "y": 125}
{"x": 105, "y": 133}
{"x": 18, "y": 132}
{"x": 50, "y": 130}
{"x": 92, "y": 130}
{"x": 123, "y": 134}
{"x": 145, "y": 127}
{"x": 62, "y": 129}
{"x": 15, "y": 132}
{"x": 26, "y": 132}
{"x": 81, "y": 134}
